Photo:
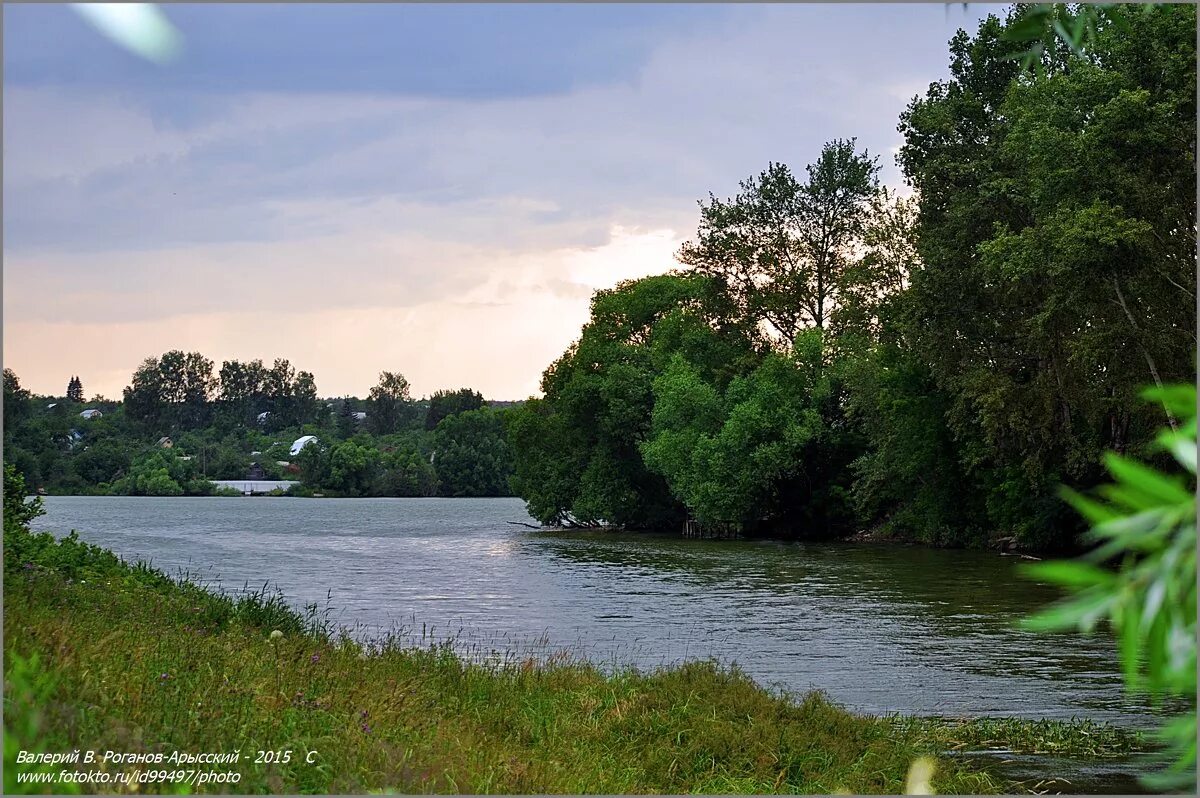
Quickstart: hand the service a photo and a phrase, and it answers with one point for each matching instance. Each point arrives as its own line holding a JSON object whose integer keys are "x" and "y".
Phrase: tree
{"x": 577, "y": 450}
{"x": 909, "y": 480}
{"x": 406, "y": 471}
{"x": 241, "y": 393}
{"x": 156, "y": 473}
{"x": 145, "y": 402}
{"x": 389, "y": 408}
{"x": 781, "y": 247}
{"x": 1057, "y": 253}
{"x": 345, "y": 419}
{"x": 103, "y": 461}
{"x": 188, "y": 384}
{"x": 172, "y": 391}
{"x": 872, "y": 283}
{"x": 289, "y": 396}
{"x": 16, "y": 404}
{"x": 75, "y": 390}
{"x": 304, "y": 398}
{"x": 17, "y": 511}
{"x": 766, "y": 455}
{"x": 447, "y": 403}
{"x": 352, "y": 468}
{"x": 472, "y": 456}
{"x": 313, "y": 461}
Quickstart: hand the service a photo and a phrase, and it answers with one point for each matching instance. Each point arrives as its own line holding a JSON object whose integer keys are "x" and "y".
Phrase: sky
{"x": 430, "y": 189}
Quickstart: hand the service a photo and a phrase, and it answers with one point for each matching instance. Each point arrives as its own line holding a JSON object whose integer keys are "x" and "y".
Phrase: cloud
{"x": 516, "y": 307}
{"x": 390, "y": 220}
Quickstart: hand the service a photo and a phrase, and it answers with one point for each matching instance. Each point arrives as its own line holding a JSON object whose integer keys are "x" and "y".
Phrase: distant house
{"x": 52, "y": 405}
{"x": 300, "y": 443}
{"x": 263, "y": 416}
{"x": 91, "y": 413}
{"x": 256, "y": 472}
{"x": 165, "y": 443}
{"x": 359, "y": 417}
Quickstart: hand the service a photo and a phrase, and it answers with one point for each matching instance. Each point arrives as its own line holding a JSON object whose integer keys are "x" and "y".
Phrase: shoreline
{"x": 1005, "y": 546}
{"x": 126, "y": 644}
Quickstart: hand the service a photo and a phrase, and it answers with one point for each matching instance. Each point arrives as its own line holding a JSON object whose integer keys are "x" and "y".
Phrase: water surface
{"x": 880, "y": 629}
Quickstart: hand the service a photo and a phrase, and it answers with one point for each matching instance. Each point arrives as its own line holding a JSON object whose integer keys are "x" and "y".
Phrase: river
{"x": 879, "y": 628}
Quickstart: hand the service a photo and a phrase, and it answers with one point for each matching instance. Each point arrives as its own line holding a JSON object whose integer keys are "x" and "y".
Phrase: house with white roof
{"x": 301, "y": 442}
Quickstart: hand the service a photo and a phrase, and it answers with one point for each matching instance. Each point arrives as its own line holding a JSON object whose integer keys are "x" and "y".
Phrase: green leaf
{"x": 1031, "y": 26}
{"x": 1129, "y": 644}
{"x": 1179, "y": 399}
{"x": 1079, "y": 613}
{"x": 1183, "y": 450}
{"x": 1072, "y": 573}
{"x": 1067, "y": 37}
{"x": 1153, "y": 484}
{"x": 1154, "y": 600}
{"x": 1090, "y": 509}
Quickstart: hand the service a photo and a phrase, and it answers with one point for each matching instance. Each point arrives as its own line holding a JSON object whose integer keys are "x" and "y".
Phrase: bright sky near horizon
{"x": 429, "y": 189}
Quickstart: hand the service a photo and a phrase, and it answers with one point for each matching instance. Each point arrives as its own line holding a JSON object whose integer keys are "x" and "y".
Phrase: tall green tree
{"x": 242, "y": 391}
{"x": 1057, "y": 253}
{"x": 389, "y": 408}
{"x": 144, "y": 398}
{"x": 471, "y": 455}
{"x": 782, "y": 247}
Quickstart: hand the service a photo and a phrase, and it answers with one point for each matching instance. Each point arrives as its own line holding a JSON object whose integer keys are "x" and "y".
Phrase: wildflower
{"x": 165, "y": 676}
{"x": 363, "y": 714}
{"x": 276, "y": 634}
{"x": 366, "y": 729}
{"x": 315, "y": 658}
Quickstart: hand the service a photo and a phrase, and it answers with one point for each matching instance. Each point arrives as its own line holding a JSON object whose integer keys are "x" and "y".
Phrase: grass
{"x": 101, "y": 655}
{"x": 1081, "y": 738}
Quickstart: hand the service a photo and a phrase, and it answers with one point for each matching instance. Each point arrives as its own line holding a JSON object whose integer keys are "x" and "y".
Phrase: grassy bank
{"x": 104, "y": 656}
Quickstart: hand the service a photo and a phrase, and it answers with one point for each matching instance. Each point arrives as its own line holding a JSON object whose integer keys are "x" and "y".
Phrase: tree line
{"x": 831, "y": 357}
{"x": 182, "y": 424}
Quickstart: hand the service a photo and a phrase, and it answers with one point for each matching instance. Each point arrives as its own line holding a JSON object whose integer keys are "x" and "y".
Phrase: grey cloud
{"x": 515, "y": 174}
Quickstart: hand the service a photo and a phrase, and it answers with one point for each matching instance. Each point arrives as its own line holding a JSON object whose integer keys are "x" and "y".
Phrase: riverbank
{"x": 101, "y": 655}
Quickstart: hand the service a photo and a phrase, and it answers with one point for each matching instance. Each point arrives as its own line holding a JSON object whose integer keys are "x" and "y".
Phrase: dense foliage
{"x": 838, "y": 358}
{"x": 180, "y": 427}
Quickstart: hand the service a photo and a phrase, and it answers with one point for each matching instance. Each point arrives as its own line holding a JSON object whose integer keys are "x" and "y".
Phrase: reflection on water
{"x": 880, "y": 629}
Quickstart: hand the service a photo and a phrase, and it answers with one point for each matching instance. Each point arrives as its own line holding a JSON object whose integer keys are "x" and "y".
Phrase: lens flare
{"x": 141, "y": 28}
